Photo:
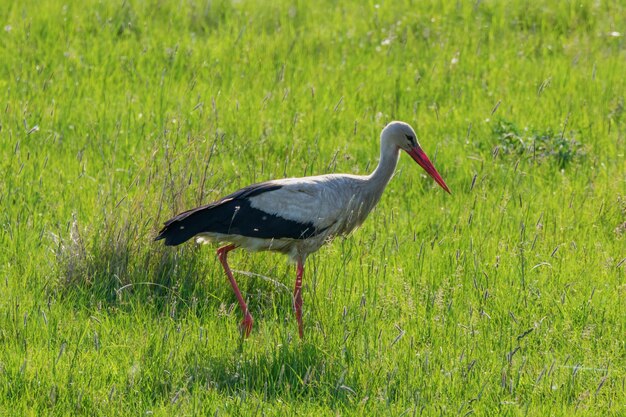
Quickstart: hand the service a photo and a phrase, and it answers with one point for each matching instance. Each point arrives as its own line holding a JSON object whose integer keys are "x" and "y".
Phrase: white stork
{"x": 295, "y": 216}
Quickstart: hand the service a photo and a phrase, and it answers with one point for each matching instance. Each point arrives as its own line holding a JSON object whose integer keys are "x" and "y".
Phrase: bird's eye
{"x": 411, "y": 140}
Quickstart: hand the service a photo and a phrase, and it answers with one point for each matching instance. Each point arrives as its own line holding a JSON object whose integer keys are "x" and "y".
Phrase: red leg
{"x": 246, "y": 324}
{"x": 297, "y": 297}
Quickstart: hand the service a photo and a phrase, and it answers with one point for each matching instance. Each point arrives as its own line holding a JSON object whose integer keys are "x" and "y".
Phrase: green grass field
{"x": 507, "y": 297}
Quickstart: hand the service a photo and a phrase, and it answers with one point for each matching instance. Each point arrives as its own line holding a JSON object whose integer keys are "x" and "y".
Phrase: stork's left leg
{"x": 297, "y": 297}
{"x": 246, "y": 324}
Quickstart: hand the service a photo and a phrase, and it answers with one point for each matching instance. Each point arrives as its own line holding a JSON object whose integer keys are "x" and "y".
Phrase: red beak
{"x": 420, "y": 157}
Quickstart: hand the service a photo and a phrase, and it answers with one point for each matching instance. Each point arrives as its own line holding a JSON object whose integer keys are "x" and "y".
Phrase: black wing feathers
{"x": 233, "y": 215}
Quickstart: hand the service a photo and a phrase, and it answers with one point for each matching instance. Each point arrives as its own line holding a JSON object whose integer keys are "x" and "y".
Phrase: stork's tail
{"x": 181, "y": 228}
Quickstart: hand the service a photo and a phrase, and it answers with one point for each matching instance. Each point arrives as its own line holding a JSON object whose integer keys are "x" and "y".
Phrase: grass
{"x": 505, "y": 298}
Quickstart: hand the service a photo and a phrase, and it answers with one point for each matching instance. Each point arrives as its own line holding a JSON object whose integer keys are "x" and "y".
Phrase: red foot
{"x": 246, "y": 325}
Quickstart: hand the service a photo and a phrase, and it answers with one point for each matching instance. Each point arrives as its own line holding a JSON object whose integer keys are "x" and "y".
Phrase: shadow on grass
{"x": 291, "y": 370}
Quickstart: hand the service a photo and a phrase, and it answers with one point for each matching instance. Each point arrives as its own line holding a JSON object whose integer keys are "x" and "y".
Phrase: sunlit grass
{"x": 505, "y": 298}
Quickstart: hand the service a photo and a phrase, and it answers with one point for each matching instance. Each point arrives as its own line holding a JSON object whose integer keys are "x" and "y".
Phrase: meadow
{"x": 505, "y": 298}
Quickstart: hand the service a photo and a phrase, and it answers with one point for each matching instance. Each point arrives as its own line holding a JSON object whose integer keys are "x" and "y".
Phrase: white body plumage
{"x": 334, "y": 204}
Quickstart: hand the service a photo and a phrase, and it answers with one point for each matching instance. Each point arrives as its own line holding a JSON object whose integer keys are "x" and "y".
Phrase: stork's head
{"x": 403, "y": 136}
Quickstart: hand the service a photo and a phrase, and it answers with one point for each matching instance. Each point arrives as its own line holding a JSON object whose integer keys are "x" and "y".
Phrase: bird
{"x": 295, "y": 216}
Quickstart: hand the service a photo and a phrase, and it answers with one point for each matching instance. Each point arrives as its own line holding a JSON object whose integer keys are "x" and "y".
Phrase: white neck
{"x": 378, "y": 180}
{"x": 374, "y": 184}
{"x": 389, "y": 155}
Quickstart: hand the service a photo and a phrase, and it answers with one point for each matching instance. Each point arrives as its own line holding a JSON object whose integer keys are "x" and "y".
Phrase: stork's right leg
{"x": 246, "y": 324}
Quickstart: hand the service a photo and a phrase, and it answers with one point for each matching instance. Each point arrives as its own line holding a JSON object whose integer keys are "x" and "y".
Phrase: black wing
{"x": 233, "y": 215}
